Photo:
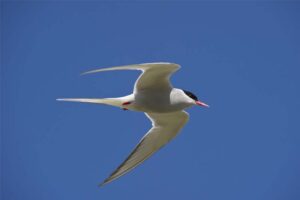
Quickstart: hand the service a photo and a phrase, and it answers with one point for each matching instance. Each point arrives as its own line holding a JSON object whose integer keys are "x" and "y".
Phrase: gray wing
{"x": 164, "y": 127}
{"x": 154, "y": 75}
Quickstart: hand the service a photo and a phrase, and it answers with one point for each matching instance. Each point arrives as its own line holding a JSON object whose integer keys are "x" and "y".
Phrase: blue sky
{"x": 240, "y": 58}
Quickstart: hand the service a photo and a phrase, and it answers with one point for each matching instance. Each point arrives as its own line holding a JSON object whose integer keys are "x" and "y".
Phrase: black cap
{"x": 191, "y": 95}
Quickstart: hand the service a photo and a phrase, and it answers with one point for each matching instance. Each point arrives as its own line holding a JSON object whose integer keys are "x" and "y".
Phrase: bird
{"x": 163, "y": 104}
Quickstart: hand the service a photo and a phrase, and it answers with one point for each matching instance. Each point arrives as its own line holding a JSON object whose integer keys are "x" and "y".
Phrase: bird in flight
{"x": 163, "y": 104}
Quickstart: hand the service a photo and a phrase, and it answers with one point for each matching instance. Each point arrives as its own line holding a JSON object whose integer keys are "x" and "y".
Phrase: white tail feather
{"x": 108, "y": 101}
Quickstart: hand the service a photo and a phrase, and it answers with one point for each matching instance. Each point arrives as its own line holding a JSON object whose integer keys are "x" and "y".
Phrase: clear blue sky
{"x": 243, "y": 59}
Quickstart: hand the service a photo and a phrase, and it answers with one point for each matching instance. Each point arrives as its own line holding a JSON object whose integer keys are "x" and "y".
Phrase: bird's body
{"x": 162, "y": 104}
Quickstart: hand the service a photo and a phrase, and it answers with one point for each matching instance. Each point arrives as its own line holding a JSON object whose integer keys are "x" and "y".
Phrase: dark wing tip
{"x": 101, "y": 184}
{"x": 104, "y": 182}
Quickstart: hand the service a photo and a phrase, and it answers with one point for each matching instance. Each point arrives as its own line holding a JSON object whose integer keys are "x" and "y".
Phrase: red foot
{"x": 126, "y": 103}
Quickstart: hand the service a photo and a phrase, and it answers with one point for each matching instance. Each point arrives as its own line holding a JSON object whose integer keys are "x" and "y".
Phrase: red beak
{"x": 201, "y": 104}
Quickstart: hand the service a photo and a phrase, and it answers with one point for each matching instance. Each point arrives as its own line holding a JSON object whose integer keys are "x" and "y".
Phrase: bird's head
{"x": 195, "y": 99}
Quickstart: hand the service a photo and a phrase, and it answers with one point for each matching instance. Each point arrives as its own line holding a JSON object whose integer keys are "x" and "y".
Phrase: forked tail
{"x": 108, "y": 101}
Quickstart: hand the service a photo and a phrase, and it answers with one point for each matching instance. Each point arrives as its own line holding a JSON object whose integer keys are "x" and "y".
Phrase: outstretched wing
{"x": 164, "y": 127}
{"x": 155, "y": 76}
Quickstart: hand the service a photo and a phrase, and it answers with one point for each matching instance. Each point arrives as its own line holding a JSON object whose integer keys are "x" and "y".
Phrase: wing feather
{"x": 164, "y": 127}
{"x": 154, "y": 76}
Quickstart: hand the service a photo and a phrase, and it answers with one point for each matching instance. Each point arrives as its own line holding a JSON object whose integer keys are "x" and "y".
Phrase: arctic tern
{"x": 154, "y": 95}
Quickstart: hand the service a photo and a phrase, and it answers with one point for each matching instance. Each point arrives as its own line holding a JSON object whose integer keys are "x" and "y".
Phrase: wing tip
{"x": 100, "y": 185}
{"x": 88, "y": 72}
{"x": 106, "y": 181}
{"x": 64, "y": 99}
